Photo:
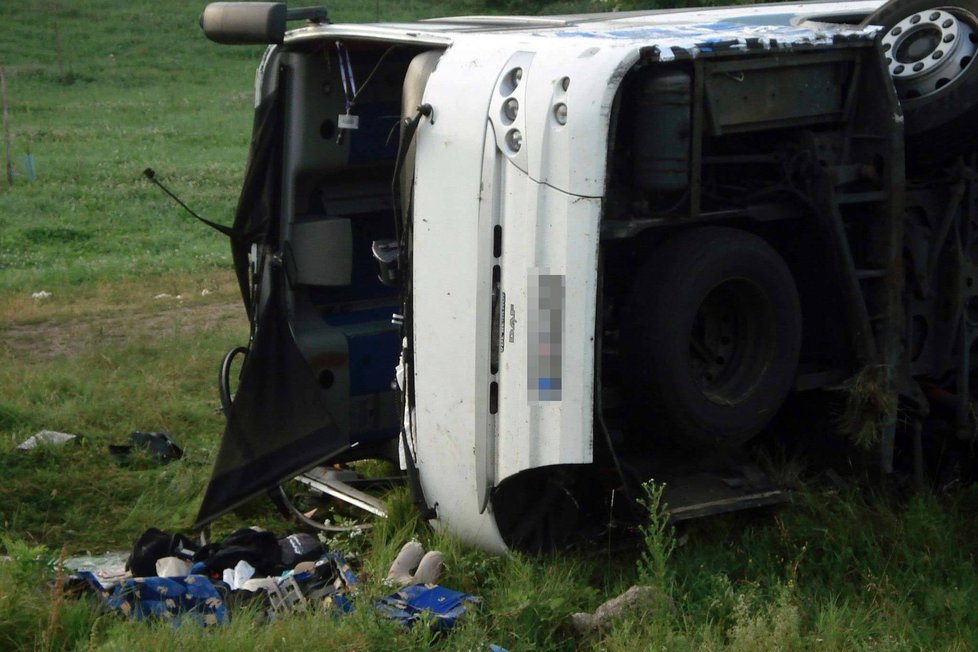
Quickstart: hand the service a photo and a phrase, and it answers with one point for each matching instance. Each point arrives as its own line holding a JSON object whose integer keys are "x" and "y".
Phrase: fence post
{"x": 6, "y": 127}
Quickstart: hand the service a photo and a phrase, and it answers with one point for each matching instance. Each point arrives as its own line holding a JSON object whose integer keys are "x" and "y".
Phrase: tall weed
{"x": 33, "y": 612}
{"x": 658, "y": 539}
{"x": 766, "y": 625}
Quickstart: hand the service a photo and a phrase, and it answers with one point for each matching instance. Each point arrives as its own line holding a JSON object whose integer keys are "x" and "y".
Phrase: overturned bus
{"x": 519, "y": 253}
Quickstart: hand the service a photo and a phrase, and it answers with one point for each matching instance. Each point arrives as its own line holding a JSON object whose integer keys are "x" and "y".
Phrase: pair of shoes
{"x": 412, "y": 556}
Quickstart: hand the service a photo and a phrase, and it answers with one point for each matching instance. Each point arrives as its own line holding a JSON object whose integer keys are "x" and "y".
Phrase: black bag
{"x": 155, "y": 544}
{"x": 300, "y": 547}
{"x": 260, "y": 549}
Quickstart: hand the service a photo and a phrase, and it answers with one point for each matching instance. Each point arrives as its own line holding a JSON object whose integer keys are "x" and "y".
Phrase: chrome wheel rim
{"x": 928, "y": 50}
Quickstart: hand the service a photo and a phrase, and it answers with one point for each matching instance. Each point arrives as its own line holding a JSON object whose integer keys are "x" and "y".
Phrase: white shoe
{"x": 429, "y": 569}
{"x": 405, "y": 562}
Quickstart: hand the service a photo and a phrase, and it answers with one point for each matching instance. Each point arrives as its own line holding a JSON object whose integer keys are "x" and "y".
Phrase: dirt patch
{"x": 65, "y": 337}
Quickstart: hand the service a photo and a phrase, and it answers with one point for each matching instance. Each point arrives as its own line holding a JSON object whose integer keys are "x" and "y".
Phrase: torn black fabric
{"x": 258, "y": 203}
{"x": 278, "y": 425}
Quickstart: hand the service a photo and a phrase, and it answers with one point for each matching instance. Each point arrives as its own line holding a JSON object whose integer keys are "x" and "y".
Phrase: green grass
{"x": 836, "y": 573}
{"x": 139, "y": 86}
{"x": 141, "y": 91}
{"x": 156, "y": 380}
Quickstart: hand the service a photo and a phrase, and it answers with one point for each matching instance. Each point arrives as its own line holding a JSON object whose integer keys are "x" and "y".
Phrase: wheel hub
{"x": 731, "y": 341}
{"x": 928, "y": 50}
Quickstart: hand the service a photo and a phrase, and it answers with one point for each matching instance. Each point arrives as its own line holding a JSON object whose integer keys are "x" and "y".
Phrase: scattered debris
{"x": 407, "y": 560}
{"x": 298, "y": 548}
{"x": 38, "y": 296}
{"x": 205, "y": 292}
{"x": 237, "y": 576}
{"x": 165, "y": 295}
{"x": 158, "y": 444}
{"x": 260, "y": 584}
{"x": 109, "y": 569}
{"x": 169, "y": 577}
{"x": 258, "y": 547}
{"x": 637, "y": 598}
{"x": 168, "y": 598}
{"x": 173, "y": 567}
{"x": 286, "y": 596}
{"x": 429, "y": 570}
{"x": 420, "y": 596}
{"x": 426, "y": 566}
{"x": 45, "y": 438}
{"x": 153, "y": 545}
{"x": 434, "y": 604}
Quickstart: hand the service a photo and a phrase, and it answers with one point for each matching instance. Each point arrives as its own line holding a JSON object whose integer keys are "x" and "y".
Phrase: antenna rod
{"x": 150, "y": 174}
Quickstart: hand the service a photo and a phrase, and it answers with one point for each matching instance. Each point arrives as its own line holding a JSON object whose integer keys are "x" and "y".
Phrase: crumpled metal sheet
{"x": 703, "y": 38}
{"x": 45, "y": 438}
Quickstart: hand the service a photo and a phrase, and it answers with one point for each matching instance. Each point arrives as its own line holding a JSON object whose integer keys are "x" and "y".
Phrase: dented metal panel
{"x": 770, "y": 93}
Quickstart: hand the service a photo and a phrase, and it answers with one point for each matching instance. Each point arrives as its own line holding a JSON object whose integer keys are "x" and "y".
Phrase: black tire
{"x": 535, "y": 510}
{"x": 940, "y": 102}
{"x": 710, "y": 338}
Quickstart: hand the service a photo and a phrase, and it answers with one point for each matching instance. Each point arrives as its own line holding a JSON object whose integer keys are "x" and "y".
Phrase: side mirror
{"x": 244, "y": 23}
{"x": 250, "y": 23}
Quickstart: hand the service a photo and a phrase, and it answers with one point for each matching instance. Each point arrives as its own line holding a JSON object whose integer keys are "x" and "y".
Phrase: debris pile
{"x": 173, "y": 578}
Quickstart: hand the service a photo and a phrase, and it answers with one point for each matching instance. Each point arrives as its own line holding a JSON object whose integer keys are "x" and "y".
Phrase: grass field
{"x": 142, "y": 305}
